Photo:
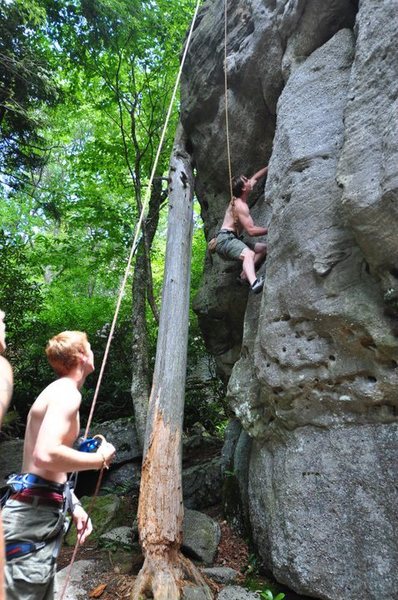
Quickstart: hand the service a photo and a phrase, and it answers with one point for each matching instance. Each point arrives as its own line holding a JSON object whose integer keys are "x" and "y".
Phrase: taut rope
{"x": 124, "y": 282}
{"x": 226, "y": 113}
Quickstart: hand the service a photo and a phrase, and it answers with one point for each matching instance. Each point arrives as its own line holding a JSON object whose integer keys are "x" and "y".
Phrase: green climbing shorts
{"x": 31, "y": 577}
{"x": 231, "y": 247}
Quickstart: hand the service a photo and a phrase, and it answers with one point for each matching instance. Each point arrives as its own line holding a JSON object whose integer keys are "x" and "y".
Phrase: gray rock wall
{"x": 325, "y": 510}
{"x": 312, "y": 364}
{"x": 368, "y": 171}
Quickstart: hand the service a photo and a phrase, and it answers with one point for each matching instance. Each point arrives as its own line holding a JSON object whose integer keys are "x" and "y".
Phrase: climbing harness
{"x": 30, "y": 481}
{"x": 31, "y": 489}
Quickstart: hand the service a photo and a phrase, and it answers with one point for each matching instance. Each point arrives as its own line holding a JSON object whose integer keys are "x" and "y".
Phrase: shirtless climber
{"x": 34, "y": 514}
{"x": 236, "y": 220}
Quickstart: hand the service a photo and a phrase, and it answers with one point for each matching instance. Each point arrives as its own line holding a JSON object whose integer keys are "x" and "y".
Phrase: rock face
{"x": 10, "y": 459}
{"x": 312, "y": 364}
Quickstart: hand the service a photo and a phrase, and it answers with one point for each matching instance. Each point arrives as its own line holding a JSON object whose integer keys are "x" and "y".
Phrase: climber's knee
{"x": 247, "y": 254}
{"x": 260, "y": 248}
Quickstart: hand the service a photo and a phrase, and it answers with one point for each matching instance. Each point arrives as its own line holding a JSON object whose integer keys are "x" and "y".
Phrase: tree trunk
{"x": 160, "y": 512}
{"x": 140, "y": 380}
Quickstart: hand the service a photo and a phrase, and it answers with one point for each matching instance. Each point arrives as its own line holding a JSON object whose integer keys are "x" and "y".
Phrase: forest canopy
{"x": 84, "y": 89}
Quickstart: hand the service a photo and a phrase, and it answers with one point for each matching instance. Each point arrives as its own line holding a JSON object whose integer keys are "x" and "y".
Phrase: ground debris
{"x": 98, "y": 591}
{"x": 104, "y": 580}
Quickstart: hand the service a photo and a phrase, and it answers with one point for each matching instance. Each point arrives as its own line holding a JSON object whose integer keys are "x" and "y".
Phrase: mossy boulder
{"x": 107, "y": 513}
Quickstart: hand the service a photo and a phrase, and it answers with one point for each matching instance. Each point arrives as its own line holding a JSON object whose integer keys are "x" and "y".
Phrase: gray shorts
{"x": 31, "y": 577}
{"x": 231, "y": 247}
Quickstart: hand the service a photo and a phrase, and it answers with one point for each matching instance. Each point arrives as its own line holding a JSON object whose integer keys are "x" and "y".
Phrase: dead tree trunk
{"x": 160, "y": 513}
{"x": 140, "y": 378}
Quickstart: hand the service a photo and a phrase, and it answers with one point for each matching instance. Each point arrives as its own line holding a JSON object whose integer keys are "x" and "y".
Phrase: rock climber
{"x": 236, "y": 220}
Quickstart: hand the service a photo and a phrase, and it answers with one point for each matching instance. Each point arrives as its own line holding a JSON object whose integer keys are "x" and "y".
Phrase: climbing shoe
{"x": 257, "y": 285}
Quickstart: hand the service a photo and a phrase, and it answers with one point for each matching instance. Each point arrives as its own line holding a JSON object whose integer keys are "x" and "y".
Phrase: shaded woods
{"x": 84, "y": 90}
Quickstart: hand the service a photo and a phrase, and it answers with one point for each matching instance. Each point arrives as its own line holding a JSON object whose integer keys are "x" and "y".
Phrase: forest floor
{"x": 113, "y": 571}
{"x": 108, "y": 578}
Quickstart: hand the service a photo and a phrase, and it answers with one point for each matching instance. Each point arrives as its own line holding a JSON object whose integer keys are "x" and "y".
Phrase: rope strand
{"x": 227, "y": 115}
{"x": 139, "y": 224}
{"x": 124, "y": 282}
{"x": 226, "y": 95}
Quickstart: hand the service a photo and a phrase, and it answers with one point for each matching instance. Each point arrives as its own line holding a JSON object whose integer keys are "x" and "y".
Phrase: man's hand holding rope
{"x": 82, "y": 522}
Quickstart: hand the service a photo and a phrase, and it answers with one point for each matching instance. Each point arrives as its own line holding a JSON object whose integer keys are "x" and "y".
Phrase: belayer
{"x": 35, "y": 511}
{"x": 237, "y": 219}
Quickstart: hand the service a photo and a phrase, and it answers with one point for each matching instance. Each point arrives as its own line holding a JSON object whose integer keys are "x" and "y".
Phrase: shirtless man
{"x": 6, "y": 378}
{"x": 6, "y": 383}
{"x": 34, "y": 510}
{"x": 236, "y": 220}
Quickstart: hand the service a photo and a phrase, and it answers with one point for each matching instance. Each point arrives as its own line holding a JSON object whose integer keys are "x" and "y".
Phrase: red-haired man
{"x": 33, "y": 516}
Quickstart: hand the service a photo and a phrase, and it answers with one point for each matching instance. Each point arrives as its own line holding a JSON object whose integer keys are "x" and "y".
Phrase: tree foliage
{"x": 84, "y": 89}
{"x": 25, "y": 84}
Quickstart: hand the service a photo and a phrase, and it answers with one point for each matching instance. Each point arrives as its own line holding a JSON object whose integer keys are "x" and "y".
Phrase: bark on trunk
{"x": 160, "y": 513}
{"x": 140, "y": 379}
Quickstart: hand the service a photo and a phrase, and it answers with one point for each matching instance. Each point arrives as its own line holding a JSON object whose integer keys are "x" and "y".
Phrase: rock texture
{"x": 312, "y": 364}
{"x": 201, "y": 536}
{"x": 81, "y": 569}
{"x": 10, "y": 459}
{"x": 234, "y": 592}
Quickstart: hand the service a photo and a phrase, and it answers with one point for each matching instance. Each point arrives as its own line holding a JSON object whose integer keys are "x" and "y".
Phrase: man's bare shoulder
{"x": 6, "y": 383}
{"x": 62, "y": 388}
{"x": 5, "y": 372}
{"x": 241, "y": 206}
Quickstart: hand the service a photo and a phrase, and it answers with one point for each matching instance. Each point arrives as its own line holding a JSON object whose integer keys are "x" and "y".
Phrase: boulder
{"x": 266, "y": 40}
{"x": 121, "y": 433}
{"x": 312, "y": 363}
{"x": 202, "y": 484}
{"x": 119, "y": 537}
{"x": 222, "y": 575}
{"x": 231, "y": 436}
{"x": 201, "y": 536}
{"x": 123, "y": 479}
{"x": 235, "y": 592}
{"x": 235, "y": 487}
{"x": 318, "y": 367}
{"x": 325, "y": 509}
{"x": 367, "y": 170}
{"x": 106, "y": 512}
{"x": 81, "y": 568}
{"x": 191, "y": 592}
{"x": 11, "y": 452}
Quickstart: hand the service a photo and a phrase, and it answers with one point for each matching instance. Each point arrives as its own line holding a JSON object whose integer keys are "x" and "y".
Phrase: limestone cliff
{"x": 312, "y": 364}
